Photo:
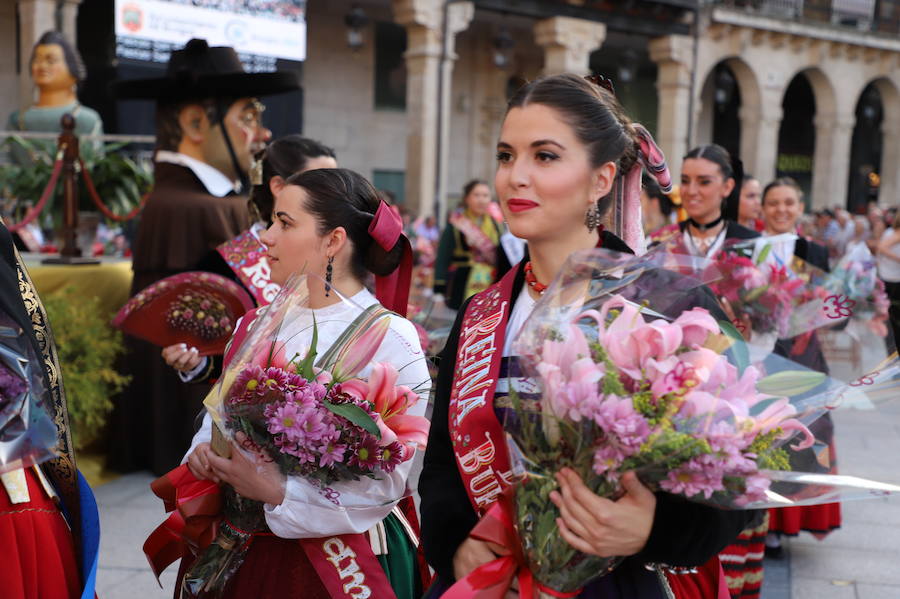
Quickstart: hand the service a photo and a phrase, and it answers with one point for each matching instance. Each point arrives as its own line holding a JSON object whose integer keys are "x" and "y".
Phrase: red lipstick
{"x": 520, "y": 205}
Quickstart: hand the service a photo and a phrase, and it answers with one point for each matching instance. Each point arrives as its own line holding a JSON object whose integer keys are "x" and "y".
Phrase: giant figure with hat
{"x": 208, "y": 123}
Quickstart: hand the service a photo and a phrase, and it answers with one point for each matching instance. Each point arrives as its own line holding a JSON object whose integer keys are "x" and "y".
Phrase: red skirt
{"x": 817, "y": 519}
{"x": 273, "y": 568}
{"x": 38, "y": 551}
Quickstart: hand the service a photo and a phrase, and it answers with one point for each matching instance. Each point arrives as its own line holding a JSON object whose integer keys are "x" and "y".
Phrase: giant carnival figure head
{"x": 208, "y": 108}
{"x": 56, "y": 65}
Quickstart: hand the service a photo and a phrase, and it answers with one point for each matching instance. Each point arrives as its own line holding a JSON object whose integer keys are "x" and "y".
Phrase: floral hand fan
{"x": 199, "y": 309}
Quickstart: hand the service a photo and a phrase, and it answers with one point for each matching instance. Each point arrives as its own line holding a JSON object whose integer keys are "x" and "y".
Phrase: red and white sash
{"x": 478, "y": 439}
{"x": 247, "y": 257}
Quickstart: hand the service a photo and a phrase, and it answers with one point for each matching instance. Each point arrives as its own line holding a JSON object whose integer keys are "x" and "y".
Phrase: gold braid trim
{"x": 62, "y": 469}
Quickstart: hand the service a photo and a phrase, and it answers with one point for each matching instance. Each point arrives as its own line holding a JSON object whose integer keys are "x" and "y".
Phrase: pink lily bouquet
{"x": 614, "y": 386}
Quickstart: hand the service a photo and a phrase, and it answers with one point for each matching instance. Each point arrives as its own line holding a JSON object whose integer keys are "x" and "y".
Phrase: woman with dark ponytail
{"x": 566, "y": 153}
{"x": 710, "y": 193}
{"x": 330, "y": 223}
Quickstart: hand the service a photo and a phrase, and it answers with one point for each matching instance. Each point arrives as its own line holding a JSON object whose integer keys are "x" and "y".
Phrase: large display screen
{"x": 261, "y": 31}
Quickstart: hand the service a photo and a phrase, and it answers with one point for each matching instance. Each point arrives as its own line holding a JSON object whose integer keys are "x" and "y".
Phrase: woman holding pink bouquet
{"x": 565, "y": 150}
{"x": 330, "y": 225}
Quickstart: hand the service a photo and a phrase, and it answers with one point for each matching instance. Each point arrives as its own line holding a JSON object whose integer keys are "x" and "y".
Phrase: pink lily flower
{"x": 696, "y": 325}
{"x": 274, "y": 356}
{"x": 353, "y": 357}
{"x": 391, "y": 403}
{"x": 779, "y": 414}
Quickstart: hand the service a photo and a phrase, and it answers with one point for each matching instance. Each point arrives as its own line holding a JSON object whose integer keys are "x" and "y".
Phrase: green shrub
{"x": 87, "y": 347}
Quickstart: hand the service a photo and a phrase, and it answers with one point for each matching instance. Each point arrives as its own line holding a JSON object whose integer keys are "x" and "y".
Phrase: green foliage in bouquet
{"x": 120, "y": 181}
{"x": 88, "y": 348}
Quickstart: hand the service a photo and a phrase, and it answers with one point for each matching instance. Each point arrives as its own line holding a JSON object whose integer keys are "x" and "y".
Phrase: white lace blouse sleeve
{"x": 355, "y": 506}
{"x": 205, "y": 433}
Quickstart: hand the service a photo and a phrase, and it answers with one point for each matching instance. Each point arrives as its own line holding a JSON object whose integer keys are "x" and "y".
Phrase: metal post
{"x": 68, "y": 144}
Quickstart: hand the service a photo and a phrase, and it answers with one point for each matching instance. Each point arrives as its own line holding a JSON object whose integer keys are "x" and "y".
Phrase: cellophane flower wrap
{"x": 856, "y": 276}
{"x": 764, "y": 288}
{"x": 306, "y": 410}
{"x": 27, "y": 432}
{"x": 629, "y": 364}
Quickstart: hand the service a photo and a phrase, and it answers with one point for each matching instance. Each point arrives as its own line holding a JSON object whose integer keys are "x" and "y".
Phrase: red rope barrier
{"x": 48, "y": 191}
{"x": 92, "y": 191}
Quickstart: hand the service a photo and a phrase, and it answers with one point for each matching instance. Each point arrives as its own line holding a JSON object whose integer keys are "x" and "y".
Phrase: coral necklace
{"x": 532, "y": 280}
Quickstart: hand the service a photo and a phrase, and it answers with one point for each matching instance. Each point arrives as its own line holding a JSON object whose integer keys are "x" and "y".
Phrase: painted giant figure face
{"x": 49, "y": 69}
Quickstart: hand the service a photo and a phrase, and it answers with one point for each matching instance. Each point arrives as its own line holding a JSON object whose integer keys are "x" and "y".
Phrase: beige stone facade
{"x": 765, "y": 54}
{"x": 456, "y": 94}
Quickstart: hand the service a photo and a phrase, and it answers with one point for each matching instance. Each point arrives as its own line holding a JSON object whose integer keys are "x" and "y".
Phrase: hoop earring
{"x": 592, "y": 217}
{"x": 329, "y": 274}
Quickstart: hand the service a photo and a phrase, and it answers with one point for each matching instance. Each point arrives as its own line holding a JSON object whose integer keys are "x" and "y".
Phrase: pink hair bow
{"x": 386, "y": 230}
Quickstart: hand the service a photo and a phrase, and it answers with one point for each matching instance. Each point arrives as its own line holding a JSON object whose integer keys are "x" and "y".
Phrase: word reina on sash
{"x": 476, "y": 381}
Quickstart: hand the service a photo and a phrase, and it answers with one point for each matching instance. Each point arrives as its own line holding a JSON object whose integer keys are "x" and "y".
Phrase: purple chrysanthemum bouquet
{"x": 307, "y": 409}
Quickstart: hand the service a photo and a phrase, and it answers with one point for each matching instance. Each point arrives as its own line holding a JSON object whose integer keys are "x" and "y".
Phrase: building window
{"x": 391, "y": 181}
{"x": 390, "y": 66}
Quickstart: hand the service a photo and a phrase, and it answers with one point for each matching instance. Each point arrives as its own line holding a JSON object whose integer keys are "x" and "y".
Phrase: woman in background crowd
{"x": 782, "y": 207}
{"x": 467, "y": 259}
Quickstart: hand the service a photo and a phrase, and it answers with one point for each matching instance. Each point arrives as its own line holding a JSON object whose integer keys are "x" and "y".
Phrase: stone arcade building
{"x": 806, "y": 88}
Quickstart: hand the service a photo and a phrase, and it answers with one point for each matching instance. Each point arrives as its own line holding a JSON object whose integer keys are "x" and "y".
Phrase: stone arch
{"x": 833, "y": 122}
{"x": 890, "y": 132}
{"x": 797, "y": 133}
{"x": 748, "y": 89}
{"x": 823, "y": 90}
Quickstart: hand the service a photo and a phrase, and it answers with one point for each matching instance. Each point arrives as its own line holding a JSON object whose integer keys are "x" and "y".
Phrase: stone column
{"x": 672, "y": 54}
{"x": 759, "y": 139}
{"x": 459, "y": 15}
{"x": 831, "y": 162}
{"x": 35, "y": 17}
{"x": 568, "y": 43}
{"x": 423, "y": 20}
{"x": 69, "y": 19}
{"x": 889, "y": 193}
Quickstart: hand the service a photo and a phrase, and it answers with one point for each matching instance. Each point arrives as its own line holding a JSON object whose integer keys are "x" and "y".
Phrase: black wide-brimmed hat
{"x": 200, "y": 71}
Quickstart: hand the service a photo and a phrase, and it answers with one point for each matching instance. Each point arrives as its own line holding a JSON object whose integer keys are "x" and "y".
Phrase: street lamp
{"x": 502, "y": 43}
{"x": 355, "y": 20}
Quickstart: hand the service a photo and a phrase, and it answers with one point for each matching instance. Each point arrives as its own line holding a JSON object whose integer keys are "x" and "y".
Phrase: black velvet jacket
{"x": 683, "y": 533}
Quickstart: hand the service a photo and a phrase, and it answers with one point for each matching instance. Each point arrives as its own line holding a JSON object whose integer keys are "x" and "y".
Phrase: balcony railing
{"x": 881, "y": 16}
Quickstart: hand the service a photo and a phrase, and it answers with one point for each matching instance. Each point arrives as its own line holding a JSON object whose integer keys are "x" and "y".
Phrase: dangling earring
{"x": 592, "y": 217}
{"x": 329, "y": 274}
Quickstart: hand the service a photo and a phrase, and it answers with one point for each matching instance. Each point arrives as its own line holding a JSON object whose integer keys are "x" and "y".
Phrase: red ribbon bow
{"x": 386, "y": 230}
{"x": 196, "y": 507}
{"x": 493, "y": 579}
